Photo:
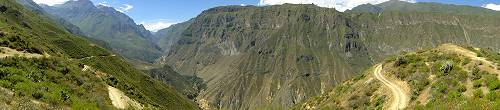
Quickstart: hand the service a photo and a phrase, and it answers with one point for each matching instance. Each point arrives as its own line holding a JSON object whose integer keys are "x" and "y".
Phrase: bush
{"x": 477, "y": 83}
{"x": 466, "y": 61}
{"x": 454, "y": 94}
{"x": 447, "y": 67}
{"x": 492, "y": 96}
{"x": 37, "y": 95}
{"x": 493, "y": 84}
{"x": 478, "y": 93}
{"x": 476, "y": 73}
{"x": 400, "y": 61}
{"x": 461, "y": 88}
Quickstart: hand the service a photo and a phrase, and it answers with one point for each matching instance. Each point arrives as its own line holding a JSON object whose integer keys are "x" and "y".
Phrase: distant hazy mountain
{"x": 169, "y": 36}
{"x": 401, "y": 6}
{"x": 44, "y": 66}
{"x": 277, "y": 56}
{"x": 105, "y": 23}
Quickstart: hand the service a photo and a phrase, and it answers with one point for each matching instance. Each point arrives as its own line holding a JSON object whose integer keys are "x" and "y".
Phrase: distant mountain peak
{"x": 77, "y": 3}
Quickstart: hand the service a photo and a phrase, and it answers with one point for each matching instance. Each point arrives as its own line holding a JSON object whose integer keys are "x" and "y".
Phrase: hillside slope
{"x": 45, "y": 67}
{"x": 447, "y": 77}
{"x": 287, "y": 53}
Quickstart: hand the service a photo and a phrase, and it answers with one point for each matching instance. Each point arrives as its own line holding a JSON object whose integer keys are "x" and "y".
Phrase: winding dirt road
{"x": 399, "y": 100}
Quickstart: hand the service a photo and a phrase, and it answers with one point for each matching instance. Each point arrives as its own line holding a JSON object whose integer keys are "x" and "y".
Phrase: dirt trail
{"x": 463, "y": 51}
{"x": 487, "y": 65}
{"x": 104, "y": 56}
{"x": 399, "y": 100}
{"x": 120, "y": 100}
{"x": 8, "y": 52}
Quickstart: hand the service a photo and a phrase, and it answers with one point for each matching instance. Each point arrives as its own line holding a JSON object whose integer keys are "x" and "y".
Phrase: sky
{"x": 159, "y": 14}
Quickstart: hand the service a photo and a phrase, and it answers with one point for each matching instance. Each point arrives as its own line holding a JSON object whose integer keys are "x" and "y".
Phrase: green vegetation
{"x": 357, "y": 93}
{"x": 54, "y": 81}
{"x": 445, "y": 74}
{"x": 189, "y": 86}
{"x": 58, "y": 82}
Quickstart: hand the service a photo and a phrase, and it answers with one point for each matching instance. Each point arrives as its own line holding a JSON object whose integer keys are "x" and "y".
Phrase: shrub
{"x": 476, "y": 73}
{"x": 466, "y": 61}
{"x": 493, "y": 83}
{"x": 37, "y": 95}
{"x": 454, "y": 94}
{"x": 447, "y": 67}
{"x": 461, "y": 88}
{"x": 492, "y": 96}
{"x": 477, "y": 83}
{"x": 400, "y": 61}
{"x": 478, "y": 93}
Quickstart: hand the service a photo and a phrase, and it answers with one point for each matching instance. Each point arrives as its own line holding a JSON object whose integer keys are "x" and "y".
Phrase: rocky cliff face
{"x": 167, "y": 37}
{"x": 105, "y": 23}
{"x": 275, "y": 56}
{"x": 254, "y": 57}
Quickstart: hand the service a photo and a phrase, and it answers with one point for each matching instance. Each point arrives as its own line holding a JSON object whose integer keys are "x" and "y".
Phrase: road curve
{"x": 399, "y": 100}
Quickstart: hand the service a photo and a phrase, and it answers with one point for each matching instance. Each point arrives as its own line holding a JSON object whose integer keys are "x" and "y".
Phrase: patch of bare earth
{"x": 9, "y": 52}
{"x": 121, "y": 101}
{"x": 400, "y": 90}
{"x": 482, "y": 63}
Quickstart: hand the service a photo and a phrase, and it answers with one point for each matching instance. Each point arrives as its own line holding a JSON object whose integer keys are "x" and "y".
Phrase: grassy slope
{"x": 58, "y": 81}
{"x": 467, "y": 85}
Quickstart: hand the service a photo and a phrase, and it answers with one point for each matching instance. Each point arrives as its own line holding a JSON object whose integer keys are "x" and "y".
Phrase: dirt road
{"x": 120, "y": 100}
{"x": 399, "y": 99}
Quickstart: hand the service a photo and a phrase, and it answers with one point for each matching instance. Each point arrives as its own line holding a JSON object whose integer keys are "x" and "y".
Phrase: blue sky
{"x": 157, "y": 14}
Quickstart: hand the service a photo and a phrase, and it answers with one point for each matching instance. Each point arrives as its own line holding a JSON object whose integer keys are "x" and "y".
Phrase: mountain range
{"x": 44, "y": 66}
{"x": 104, "y": 23}
{"x": 392, "y": 55}
{"x": 278, "y": 56}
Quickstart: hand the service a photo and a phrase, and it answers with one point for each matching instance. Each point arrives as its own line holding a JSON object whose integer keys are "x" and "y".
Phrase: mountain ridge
{"x": 104, "y": 23}
{"x": 308, "y": 39}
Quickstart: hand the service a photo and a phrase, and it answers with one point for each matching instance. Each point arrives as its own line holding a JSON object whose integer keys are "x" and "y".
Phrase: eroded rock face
{"x": 276, "y": 56}
{"x": 267, "y": 57}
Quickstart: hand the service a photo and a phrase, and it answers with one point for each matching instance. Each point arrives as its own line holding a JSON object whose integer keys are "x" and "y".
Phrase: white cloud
{"x": 156, "y": 25}
{"x": 125, "y": 8}
{"x": 50, "y": 2}
{"x": 104, "y": 4}
{"x": 492, "y": 6}
{"x": 340, "y": 5}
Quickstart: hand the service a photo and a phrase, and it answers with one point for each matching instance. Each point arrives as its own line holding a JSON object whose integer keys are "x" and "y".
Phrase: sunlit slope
{"x": 47, "y": 69}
